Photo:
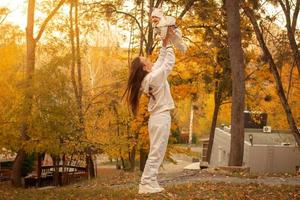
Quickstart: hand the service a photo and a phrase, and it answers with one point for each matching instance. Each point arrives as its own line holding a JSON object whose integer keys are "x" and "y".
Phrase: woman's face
{"x": 147, "y": 64}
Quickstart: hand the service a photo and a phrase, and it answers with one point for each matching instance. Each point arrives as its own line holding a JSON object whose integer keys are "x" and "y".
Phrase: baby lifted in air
{"x": 161, "y": 24}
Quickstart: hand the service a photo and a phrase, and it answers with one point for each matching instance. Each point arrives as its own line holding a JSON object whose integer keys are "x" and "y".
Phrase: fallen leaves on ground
{"x": 120, "y": 185}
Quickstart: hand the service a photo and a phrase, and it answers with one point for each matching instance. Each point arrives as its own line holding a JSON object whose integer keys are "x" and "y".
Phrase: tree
{"x": 4, "y": 12}
{"x": 77, "y": 80}
{"x": 11, "y": 64}
{"x": 28, "y": 93}
{"x": 222, "y": 91}
{"x": 291, "y": 24}
{"x": 274, "y": 70}
{"x": 238, "y": 82}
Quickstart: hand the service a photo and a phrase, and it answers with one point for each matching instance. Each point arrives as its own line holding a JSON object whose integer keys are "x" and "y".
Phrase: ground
{"x": 116, "y": 184}
{"x": 179, "y": 184}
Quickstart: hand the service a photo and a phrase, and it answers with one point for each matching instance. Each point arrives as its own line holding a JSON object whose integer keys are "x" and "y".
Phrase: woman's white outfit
{"x": 160, "y": 104}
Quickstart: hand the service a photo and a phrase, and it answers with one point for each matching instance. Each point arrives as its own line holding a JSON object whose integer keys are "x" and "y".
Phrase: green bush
{"x": 28, "y": 164}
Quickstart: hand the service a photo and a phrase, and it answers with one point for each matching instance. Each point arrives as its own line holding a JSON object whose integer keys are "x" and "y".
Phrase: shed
{"x": 265, "y": 152}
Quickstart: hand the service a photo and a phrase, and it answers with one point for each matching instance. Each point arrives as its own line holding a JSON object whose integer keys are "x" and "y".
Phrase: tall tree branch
{"x": 49, "y": 17}
{"x": 158, "y": 3}
{"x": 74, "y": 83}
{"x": 188, "y": 6}
{"x": 295, "y": 16}
{"x": 279, "y": 87}
{"x": 114, "y": 9}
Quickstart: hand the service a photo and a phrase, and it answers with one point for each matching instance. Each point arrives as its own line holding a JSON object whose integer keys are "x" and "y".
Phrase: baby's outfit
{"x": 161, "y": 29}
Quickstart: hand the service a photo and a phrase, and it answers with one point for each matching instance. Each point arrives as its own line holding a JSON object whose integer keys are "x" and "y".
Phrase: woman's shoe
{"x": 156, "y": 185}
{"x": 147, "y": 189}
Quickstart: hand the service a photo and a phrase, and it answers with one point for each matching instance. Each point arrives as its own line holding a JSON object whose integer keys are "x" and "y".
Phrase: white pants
{"x": 159, "y": 131}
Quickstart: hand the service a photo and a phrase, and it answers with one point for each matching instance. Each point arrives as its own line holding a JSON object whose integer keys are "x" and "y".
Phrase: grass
{"x": 119, "y": 185}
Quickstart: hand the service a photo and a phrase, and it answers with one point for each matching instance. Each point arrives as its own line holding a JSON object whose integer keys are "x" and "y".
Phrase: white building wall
{"x": 260, "y": 158}
{"x": 265, "y": 158}
{"x": 221, "y": 149}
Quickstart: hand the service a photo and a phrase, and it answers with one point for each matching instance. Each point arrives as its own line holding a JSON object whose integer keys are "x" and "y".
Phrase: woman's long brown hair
{"x": 136, "y": 76}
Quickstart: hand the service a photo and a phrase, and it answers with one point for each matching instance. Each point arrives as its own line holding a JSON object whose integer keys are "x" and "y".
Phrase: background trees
{"x": 273, "y": 66}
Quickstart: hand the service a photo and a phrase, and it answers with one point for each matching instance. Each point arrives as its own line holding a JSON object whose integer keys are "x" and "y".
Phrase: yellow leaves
{"x": 185, "y": 75}
{"x": 174, "y": 126}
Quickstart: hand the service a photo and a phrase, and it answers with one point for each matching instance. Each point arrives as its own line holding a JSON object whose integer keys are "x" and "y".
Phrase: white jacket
{"x": 157, "y": 80}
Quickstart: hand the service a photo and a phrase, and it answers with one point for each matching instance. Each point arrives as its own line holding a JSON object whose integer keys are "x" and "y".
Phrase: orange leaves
{"x": 262, "y": 94}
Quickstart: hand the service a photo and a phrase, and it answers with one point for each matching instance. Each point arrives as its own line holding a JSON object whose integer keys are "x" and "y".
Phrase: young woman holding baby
{"x": 151, "y": 79}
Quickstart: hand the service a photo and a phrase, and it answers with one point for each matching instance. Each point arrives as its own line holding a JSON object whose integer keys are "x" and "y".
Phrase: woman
{"x": 152, "y": 79}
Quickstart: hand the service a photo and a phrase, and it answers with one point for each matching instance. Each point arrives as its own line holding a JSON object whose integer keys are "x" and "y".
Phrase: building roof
{"x": 204, "y": 139}
{"x": 271, "y": 138}
{"x": 276, "y": 137}
{"x": 6, "y": 155}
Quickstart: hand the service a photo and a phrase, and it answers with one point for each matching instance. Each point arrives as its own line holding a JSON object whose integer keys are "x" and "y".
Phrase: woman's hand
{"x": 170, "y": 34}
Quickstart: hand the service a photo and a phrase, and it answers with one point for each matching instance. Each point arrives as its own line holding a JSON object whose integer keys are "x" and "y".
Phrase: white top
{"x": 157, "y": 80}
{"x": 162, "y": 27}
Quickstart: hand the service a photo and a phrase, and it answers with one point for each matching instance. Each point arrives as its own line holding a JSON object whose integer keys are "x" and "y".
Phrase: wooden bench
{"x": 70, "y": 174}
{"x": 5, "y": 174}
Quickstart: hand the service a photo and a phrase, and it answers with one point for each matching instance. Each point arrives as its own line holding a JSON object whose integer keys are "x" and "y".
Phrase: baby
{"x": 161, "y": 23}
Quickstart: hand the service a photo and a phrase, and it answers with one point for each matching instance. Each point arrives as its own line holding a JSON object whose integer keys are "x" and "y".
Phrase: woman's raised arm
{"x": 160, "y": 75}
{"x": 160, "y": 59}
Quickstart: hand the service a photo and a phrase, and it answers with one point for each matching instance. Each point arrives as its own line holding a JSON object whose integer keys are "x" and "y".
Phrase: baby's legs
{"x": 178, "y": 41}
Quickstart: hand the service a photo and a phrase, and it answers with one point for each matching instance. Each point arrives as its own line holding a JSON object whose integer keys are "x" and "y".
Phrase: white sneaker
{"x": 147, "y": 189}
{"x": 156, "y": 185}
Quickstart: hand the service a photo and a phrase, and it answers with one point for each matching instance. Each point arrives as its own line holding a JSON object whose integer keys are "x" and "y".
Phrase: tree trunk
{"x": 129, "y": 51}
{"x": 191, "y": 125}
{"x": 142, "y": 28}
{"x": 72, "y": 40}
{"x": 149, "y": 45}
{"x": 238, "y": 83}
{"x": 64, "y": 173}
{"x": 187, "y": 7}
{"x": 29, "y": 81}
{"x": 90, "y": 166}
{"x": 28, "y": 93}
{"x": 291, "y": 27}
{"x": 56, "y": 170}
{"x": 273, "y": 67}
{"x": 132, "y": 154}
{"x": 80, "y": 91}
{"x": 294, "y": 48}
{"x": 123, "y": 163}
{"x": 143, "y": 159}
{"x": 39, "y": 169}
{"x": 16, "y": 176}
{"x": 78, "y": 61}
{"x": 78, "y": 85}
{"x": 117, "y": 164}
{"x": 213, "y": 125}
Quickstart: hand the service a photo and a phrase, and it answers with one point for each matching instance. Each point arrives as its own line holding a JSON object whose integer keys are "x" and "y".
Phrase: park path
{"x": 215, "y": 178}
{"x": 172, "y": 174}
{"x": 193, "y": 176}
